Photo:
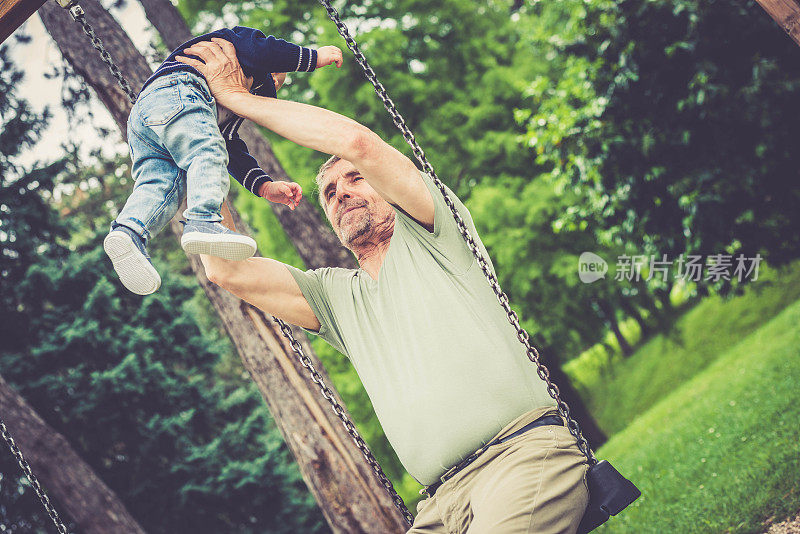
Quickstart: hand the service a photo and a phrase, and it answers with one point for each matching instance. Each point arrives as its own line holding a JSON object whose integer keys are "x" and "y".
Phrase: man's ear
{"x": 278, "y": 78}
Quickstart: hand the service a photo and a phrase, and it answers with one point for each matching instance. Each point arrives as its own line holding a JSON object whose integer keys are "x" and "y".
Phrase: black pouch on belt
{"x": 609, "y": 494}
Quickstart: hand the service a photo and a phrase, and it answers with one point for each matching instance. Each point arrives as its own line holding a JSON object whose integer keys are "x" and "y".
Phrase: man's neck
{"x": 372, "y": 261}
{"x": 370, "y": 255}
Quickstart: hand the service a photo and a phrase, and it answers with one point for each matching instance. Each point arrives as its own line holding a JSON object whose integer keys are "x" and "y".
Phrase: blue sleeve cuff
{"x": 243, "y": 167}
{"x": 307, "y": 61}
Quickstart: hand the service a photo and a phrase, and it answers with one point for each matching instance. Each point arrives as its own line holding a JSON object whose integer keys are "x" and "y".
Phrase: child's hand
{"x": 288, "y": 193}
{"x": 329, "y": 54}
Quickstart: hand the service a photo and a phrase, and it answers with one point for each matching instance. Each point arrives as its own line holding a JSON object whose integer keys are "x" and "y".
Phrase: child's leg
{"x": 159, "y": 188}
{"x": 190, "y": 134}
{"x": 159, "y": 183}
{"x": 197, "y": 146}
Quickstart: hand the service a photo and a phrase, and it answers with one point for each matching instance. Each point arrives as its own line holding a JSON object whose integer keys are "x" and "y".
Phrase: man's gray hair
{"x": 321, "y": 174}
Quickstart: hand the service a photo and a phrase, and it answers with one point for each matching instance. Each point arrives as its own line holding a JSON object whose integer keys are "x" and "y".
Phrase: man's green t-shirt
{"x": 433, "y": 347}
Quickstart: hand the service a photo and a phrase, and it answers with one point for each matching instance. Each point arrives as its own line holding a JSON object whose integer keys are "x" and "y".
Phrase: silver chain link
{"x": 80, "y": 17}
{"x": 522, "y": 335}
{"x": 349, "y": 426}
{"x": 32, "y": 478}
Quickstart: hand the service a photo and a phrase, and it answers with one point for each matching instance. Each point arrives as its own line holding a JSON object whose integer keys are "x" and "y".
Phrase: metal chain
{"x": 351, "y": 429}
{"x": 32, "y": 478}
{"x": 522, "y": 335}
{"x": 80, "y": 17}
{"x": 77, "y": 13}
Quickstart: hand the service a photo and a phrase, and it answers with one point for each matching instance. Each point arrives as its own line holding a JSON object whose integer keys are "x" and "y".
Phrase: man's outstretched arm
{"x": 388, "y": 171}
{"x": 265, "y": 283}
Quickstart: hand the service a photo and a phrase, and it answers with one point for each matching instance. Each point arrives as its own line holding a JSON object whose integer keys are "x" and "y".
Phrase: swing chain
{"x": 32, "y": 478}
{"x": 78, "y": 15}
{"x": 305, "y": 361}
{"x": 522, "y": 335}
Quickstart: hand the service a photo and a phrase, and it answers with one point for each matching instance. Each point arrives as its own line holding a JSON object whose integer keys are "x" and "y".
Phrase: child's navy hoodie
{"x": 259, "y": 56}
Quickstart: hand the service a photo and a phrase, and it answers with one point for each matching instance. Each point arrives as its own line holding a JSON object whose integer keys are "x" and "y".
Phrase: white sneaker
{"x": 201, "y": 237}
{"x": 129, "y": 257}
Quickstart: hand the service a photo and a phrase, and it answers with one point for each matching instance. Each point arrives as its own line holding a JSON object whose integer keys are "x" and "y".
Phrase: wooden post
{"x": 14, "y": 12}
{"x": 349, "y": 494}
{"x": 76, "y": 488}
{"x": 786, "y": 13}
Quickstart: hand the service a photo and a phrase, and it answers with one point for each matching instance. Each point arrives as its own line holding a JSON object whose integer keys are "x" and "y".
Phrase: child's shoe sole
{"x": 227, "y": 246}
{"x": 134, "y": 270}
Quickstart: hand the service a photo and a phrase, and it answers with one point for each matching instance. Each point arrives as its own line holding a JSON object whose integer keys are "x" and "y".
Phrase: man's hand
{"x": 288, "y": 193}
{"x": 329, "y": 54}
{"x": 219, "y": 66}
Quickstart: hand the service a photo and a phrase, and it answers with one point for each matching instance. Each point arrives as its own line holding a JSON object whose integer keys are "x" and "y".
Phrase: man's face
{"x": 353, "y": 207}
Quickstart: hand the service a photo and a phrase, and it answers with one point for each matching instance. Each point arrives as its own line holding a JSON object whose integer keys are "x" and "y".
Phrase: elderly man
{"x": 452, "y": 387}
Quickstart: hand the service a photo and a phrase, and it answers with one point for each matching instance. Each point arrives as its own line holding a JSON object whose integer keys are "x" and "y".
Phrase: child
{"x": 182, "y": 143}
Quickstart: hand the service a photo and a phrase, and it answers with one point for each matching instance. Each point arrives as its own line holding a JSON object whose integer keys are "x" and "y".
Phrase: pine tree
{"x": 27, "y": 227}
{"x": 141, "y": 387}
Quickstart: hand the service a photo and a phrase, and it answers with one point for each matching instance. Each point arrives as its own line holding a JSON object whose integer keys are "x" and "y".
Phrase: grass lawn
{"x": 664, "y": 363}
{"x": 721, "y": 452}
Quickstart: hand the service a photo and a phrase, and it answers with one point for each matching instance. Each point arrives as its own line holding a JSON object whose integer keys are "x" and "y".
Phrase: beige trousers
{"x": 533, "y": 483}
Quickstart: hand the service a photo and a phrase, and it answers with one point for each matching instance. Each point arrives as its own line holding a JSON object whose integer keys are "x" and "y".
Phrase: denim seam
{"x": 164, "y": 204}
{"x": 204, "y": 92}
{"x": 148, "y": 143}
{"x": 168, "y": 80}
{"x": 173, "y": 111}
{"x": 137, "y": 223}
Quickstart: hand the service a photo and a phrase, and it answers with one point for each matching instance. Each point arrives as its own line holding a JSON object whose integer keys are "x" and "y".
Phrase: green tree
{"x": 675, "y": 121}
{"x": 147, "y": 390}
{"x": 28, "y": 228}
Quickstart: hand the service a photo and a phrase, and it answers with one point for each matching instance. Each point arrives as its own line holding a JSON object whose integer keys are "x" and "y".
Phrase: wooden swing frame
{"x": 13, "y": 13}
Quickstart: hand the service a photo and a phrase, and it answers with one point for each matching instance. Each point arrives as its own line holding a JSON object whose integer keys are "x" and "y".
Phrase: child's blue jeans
{"x": 176, "y": 150}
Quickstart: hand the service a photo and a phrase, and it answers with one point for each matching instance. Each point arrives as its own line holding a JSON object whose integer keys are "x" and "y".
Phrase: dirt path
{"x": 790, "y": 526}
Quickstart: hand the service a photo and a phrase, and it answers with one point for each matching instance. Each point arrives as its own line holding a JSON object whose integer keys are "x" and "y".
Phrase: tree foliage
{"x": 673, "y": 119}
{"x": 146, "y": 390}
{"x": 632, "y": 127}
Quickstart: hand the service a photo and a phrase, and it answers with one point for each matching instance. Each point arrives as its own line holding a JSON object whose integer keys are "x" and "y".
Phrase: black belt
{"x": 552, "y": 419}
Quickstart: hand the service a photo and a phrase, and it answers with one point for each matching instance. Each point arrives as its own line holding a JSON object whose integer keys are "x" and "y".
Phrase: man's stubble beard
{"x": 354, "y": 230}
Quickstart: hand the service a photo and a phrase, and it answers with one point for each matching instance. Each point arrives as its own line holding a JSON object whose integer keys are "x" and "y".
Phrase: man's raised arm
{"x": 388, "y": 171}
